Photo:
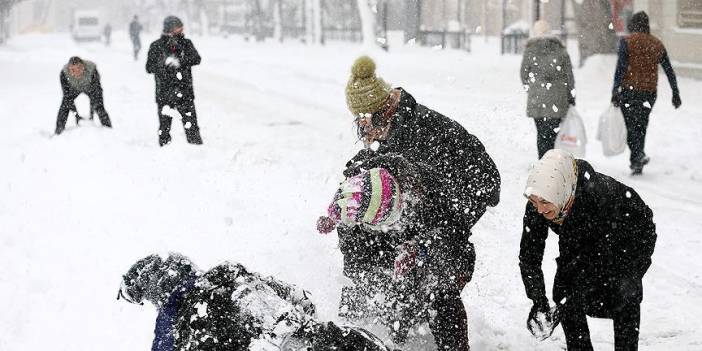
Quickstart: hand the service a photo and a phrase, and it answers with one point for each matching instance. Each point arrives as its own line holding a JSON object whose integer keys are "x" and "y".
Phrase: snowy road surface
{"x": 77, "y": 210}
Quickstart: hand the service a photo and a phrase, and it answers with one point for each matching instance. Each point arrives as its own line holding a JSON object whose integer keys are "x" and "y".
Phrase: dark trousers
{"x": 626, "y": 327}
{"x": 96, "y": 106}
{"x": 636, "y": 107}
{"x": 448, "y": 320}
{"x": 136, "y": 44}
{"x": 189, "y": 119}
{"x": 438, "y": 287}
{"x": 546, "y": 132}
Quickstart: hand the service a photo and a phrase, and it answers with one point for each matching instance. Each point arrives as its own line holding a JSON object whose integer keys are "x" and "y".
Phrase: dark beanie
{"x": 639, "y": 23}
{"x": 171, "y": 23}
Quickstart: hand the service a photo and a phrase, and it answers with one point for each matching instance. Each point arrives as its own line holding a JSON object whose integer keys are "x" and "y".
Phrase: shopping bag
{"x": 571, "y": 134}
{"x": 611, "y": 131}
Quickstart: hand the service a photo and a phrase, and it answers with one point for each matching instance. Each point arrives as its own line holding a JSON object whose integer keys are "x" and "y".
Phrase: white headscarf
{"x": 553, "y": 178}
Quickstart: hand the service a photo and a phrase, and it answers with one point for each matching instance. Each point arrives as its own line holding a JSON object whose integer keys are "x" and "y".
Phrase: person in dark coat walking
{"x": 547, "y": 75}
{"x": 170, "y": 60}
{"x": 108, "y": 34}
{"x": 80, "y": 76}
{"x": 229, "y": 308}
{"x": 393, "y": 121}
{"x": 135, "y": 29}
{"x": 636, "y": 84}
{"x": 606, "y": 240}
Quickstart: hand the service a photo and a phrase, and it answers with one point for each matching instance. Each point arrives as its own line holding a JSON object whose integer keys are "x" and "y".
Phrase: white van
{"x": 86, "y": 25}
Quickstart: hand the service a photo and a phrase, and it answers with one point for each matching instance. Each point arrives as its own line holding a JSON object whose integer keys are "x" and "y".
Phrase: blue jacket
{"x": 167, "y": 317}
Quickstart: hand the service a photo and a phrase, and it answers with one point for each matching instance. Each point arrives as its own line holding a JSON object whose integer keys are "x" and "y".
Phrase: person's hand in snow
{"x": 172, "y": 61}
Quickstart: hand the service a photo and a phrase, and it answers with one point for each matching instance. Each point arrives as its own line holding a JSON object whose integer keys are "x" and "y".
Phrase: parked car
{"x": 86, "y": 26}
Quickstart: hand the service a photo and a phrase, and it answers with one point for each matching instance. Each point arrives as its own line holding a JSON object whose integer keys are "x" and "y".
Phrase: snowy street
{"x": 77, "y": 210}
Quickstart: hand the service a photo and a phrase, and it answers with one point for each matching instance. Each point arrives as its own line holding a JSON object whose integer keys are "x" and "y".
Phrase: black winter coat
{"x": 460, "y": 178}
{"x": 172, "y": 81}
{"x": 605, "y": 246}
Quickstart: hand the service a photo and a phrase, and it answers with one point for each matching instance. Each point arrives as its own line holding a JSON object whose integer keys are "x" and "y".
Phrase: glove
{"x": 541, "y": 321}
{"x": 353, "y": 167}
{"x": 405, "y": 260}
{"x": 616, "y": 100}
{"x": 325, "y": 225}
{"x": 172, "y": 61}
{"x": 571, "y": 100}
{"x": 676, "y": 100}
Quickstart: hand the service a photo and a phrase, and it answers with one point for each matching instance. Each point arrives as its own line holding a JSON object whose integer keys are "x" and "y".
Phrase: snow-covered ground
{"x": 77, "y": 210}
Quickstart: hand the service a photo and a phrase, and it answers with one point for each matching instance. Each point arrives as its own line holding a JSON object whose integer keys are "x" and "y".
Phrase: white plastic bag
{"x": 611, "y": 131}
{"x": 571, "y": 134}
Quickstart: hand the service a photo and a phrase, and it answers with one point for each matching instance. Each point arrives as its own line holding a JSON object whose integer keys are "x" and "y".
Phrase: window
{"x": 88, "y": 21}
{"x": 690, "y": 13}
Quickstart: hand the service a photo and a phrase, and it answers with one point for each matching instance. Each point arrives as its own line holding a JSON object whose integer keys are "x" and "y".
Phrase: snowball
{"x": 647, "y": 104}
{"x": 179, "y": 76}
{"x": 627, "y": 194}
{"x": 188, "y": 125}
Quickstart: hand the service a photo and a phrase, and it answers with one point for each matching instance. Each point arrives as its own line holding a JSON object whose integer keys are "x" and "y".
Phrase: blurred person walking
{"x": 636, "y": 84}
{"x": 107, "y": 32}
{"x": 135, "y": 29}
{"x": 547, "y": 76}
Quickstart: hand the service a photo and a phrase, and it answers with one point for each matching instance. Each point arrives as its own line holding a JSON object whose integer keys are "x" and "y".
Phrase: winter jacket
{"x": 548, "y": 75}
{"x": 174, "y": 85}
{"x": 230, "y": 308}
{"x": 605, "y": 246}
{"x": 461, "y": 178}
{"x": 87, "y": 83}
{"x": 637, "y": 64}
{"x": 469, "y": 177}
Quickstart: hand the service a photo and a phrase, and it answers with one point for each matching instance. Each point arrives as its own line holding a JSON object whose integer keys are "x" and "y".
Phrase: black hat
{"x": 639, "y": 23}
{"x": 171, "y": 23}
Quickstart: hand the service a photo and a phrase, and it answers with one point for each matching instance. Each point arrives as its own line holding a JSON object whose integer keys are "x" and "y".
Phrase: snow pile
{"x": 79, "y": 209}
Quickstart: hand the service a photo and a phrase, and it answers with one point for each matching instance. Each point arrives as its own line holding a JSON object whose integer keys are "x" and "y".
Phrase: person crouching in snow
{"x": 390, "y": 218}
{"x": 170, "y": 59}
{"x": 606, "y": 239}
{"x": 80, "y": 76}
{"x": 229, "y": 308}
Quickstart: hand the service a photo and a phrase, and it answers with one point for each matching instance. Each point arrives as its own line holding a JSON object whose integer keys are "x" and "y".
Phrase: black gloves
{"x": 616, "y": 100}
{"x": 539, "y": 306}
{"x": 676, "y": 100}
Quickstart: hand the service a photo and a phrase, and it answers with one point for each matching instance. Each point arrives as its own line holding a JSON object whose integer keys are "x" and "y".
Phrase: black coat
{"x": 605, "y": 246}
{"x": 459, "y": 177}
{"x": 168, "y": 84}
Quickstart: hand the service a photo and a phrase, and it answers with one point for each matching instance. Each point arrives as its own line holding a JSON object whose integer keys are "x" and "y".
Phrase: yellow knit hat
{"x": 365, "y": 93}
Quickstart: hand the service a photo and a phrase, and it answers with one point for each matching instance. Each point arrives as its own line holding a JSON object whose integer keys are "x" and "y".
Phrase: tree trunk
{"x": 596, "y": 33}
{"x": 367, "y": 23}
{"x": 277, "y": 21}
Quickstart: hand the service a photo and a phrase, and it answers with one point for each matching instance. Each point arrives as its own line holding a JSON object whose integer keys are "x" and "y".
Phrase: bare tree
{"x": 367, "y": 23}
{"x": 5, "y": 6}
